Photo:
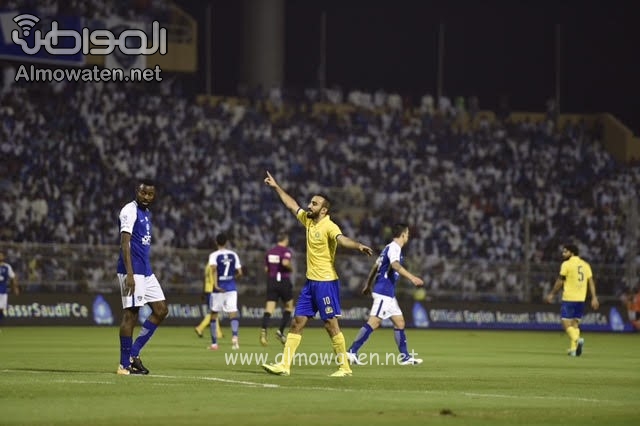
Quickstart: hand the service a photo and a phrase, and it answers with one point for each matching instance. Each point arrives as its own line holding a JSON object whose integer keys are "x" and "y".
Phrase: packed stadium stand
{"x": 72, "y": 152}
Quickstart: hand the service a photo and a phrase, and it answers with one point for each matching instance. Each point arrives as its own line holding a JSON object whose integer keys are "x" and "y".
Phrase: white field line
{"x": 286, "y": 381}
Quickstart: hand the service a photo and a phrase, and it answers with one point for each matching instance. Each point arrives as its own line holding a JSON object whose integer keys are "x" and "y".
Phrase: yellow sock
{"x": 204, "y": 323}
{"x": 574, "y": 335}
{"x": 290, "y": 347}
{"x": 340, "y": 349}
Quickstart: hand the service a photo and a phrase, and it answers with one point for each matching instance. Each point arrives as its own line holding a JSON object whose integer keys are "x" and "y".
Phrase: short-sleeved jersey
{"x": 208, "y": 278}
{"x": 6, "y": 275}
{"x": 136, "y": 220}
{"x": 322, "y": 241}
{"x": 576, "y": 273}
{"x": 387, "y": 277}
{"x": 225, "y": 263}
{"x": 273, "y": 262}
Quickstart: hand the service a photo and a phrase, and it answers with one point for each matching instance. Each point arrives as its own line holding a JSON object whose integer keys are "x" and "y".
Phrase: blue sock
{"x": 362, "y": 337}
{"x": 148, "y": 328}
{"x": 214, "y": 331}
{"x": 401, "y": 341}
{"x": 234, "y": 326}
{"x": 125, "y": 350}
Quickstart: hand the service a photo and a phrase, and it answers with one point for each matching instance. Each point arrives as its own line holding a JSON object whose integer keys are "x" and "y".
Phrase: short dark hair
{"x": 398, "y": 229}
{"x": 572, "y": 248}
{"x": 146, "y": 182}
{"x": 327, "y": 200}
{"x": 282, "y": 236}
{"x": 221, "y": 239}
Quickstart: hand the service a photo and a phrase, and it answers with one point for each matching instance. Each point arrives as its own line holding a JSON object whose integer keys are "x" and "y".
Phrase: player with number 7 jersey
{"x": 226, "y": 267}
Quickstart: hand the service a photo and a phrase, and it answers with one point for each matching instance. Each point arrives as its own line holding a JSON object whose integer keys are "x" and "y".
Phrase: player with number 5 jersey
{"x": 575, "y": 276}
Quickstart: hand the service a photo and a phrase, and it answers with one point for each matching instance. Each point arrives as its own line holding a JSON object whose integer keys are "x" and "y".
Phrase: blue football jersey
{"x": 225, "y": 263}
{"x": 6, "y": 273}
{"x": 387, "y": 277}
{"x": 136, "y": 220}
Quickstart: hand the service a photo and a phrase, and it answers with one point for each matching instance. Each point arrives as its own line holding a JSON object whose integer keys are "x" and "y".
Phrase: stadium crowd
{"x": 71, "y": 152}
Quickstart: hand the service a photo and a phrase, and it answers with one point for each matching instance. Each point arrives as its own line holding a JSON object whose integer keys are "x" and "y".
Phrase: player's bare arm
{"x": 216, "y": 287}
{"x": 15, "y": 286}
{"x": 595, "y": 303}
{"x": 556, "y": 288}
{"x": 347, "y": 242}
{"x": 366, "y": 290}
{"x": 417, "y": 281}
{"x": 286, "y": 199}
{"x": 125, "y": 244}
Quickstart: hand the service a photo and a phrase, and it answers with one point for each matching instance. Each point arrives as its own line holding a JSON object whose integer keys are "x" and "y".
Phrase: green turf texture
{"x": 66, "y": 376}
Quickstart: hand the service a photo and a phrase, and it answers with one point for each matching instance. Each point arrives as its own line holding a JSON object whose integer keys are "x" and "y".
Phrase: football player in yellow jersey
{"x": 575, "y": 276}
{"x": 321, "y": 292}
{"x": 208, "y": 289}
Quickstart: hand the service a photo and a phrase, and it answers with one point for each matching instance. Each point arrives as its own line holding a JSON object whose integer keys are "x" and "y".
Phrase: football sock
{"x": 339, "y": 348}
{"x": 235, "y": 324}
{"x": 265, "y": 320}
{"x": 574, "y": 335}
{"x": 286, "y": 319}
{"x": 218, "y": 328}
{"x": 204, "y": 323}
{"x": 401, "y": 341}
{"x": 213, "y": 326}
{"x": 362, "y": 337}
{"x": 125, "y": 350}
{"x": 148, "y": 328}
{"x": 290, "y": 347}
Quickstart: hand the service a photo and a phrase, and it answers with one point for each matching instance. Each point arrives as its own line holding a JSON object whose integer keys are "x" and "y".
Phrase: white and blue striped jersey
{"x": 136, "y": 220}
{"x": 387, "y": 277}
{"x": 225, "y": 263}
{"x": 6, "y": 274}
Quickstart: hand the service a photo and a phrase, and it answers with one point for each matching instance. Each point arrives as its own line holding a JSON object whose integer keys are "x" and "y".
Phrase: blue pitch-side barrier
{"x": 104, "y": 309}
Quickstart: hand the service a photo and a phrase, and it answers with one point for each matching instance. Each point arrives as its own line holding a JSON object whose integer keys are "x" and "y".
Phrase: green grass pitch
{"x": 66, "y": 376}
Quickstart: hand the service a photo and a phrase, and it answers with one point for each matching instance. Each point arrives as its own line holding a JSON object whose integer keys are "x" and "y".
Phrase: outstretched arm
{"x": 347, "y": 242}
{"x": 286, "y": 199}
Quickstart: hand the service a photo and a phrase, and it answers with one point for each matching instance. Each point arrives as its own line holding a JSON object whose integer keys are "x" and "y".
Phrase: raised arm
{"x": 286, "y": 199}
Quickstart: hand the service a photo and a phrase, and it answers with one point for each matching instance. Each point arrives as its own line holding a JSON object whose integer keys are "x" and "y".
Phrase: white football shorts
{"x": 147, "y": 290}
{"x": 224, "y": 302}
{"x": 384, "y": 306}
{"x": 4, "y": 297}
